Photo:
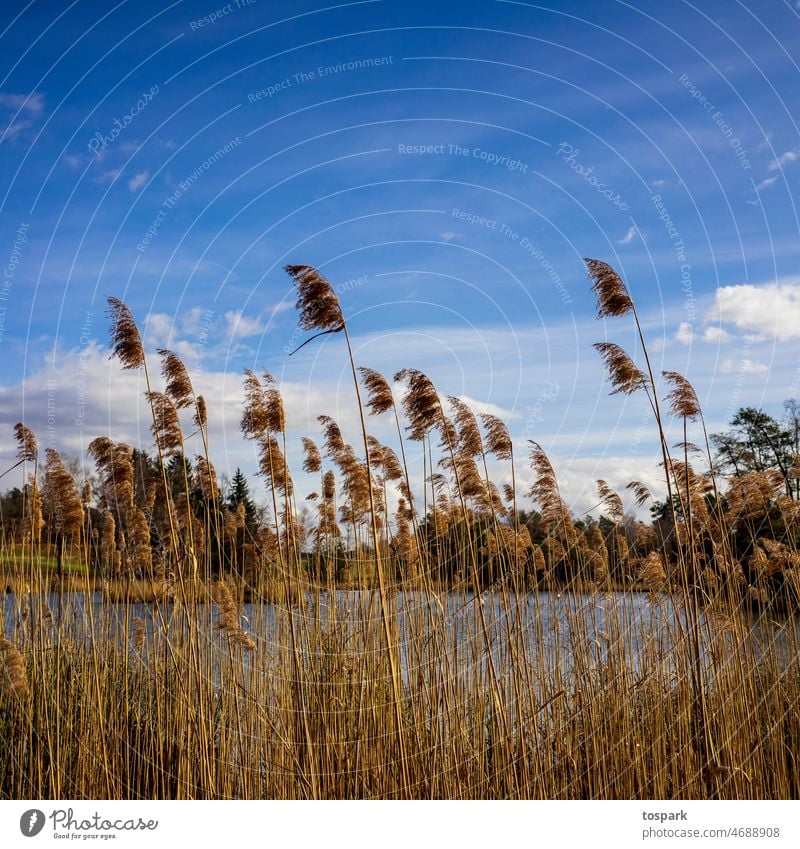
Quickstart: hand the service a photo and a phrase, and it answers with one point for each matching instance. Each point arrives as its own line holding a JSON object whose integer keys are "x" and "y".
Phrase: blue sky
{"x": 446, "y": 165}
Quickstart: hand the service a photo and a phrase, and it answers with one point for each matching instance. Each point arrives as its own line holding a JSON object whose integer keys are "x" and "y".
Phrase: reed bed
{"x": 408, "y": 644}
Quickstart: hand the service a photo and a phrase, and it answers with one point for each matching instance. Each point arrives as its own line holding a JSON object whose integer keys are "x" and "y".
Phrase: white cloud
{"x": 158, "y": 329}
{"x": 629, "y": 236}
{"x": 448, "y": 236}
{"x": 767, "y": 181}
{"x": 479, "y": 407}
{"x": 33, "y": 103}
{"x": 716, "y": 334}
{"x": 783, "y": 159}
{"x": 770, "y": 309}
{"x": 138, "y": 180}
{"x": 108, "y": 176}
{"x": 25, "y": 108}
{"x": 685, "y": 333}
{"x": 743, "y": 366}
{"x": 777, "y": 164}
{"x": 240, "y": 326}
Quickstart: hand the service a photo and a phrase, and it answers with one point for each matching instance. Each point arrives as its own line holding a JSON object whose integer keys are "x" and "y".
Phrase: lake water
{"x": 549, "y": 629}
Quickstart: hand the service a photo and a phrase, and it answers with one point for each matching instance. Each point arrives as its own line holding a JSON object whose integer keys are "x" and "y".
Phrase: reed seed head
{"x": 126, "y": 343}
{"x": 611, "y": 501}
{"x": 28, "y": 449}
{"x": 178, "y": 385}
{"x": 316, "y": 300}
{"x": 312, "y": 462}
{"x": 166, "y": 426}
{"x": 255, "y": 418}
{"x": 379, "y": 392}
{"x": 469, "y": 434}
{"x": 625, "y": 376}
{"x": 421, "y": 403}
{"x": 201, "y": 412}
{"x": 613, "y": 298}
{"x": 498, "y": 439}
{"x": 682, "y": 398}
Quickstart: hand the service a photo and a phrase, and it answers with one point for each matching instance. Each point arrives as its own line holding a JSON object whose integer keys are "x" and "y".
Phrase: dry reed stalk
{"x": 320, "y": 310}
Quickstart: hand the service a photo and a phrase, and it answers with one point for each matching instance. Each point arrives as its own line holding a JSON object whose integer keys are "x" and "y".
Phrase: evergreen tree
{"x": 240, "y": 494}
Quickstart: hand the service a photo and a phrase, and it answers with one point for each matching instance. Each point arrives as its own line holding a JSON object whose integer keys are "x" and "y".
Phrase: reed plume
{"x": 255, "y": 417}
{"x": 379, "y": 393}
{"x": 61, "y": 496}
{"x": 126, "y": 343}
{"x": 207, "y": 478}
{"x": 115, "y": 465}
{"x": 640, "y": 491}
{"x": 273, "y": 405}
{"x": 317, "y": 303}
{"x": 201, "y": 412}
{"x": 312, "y": 462}
{"x": 611, "y": 501}
{"x": 469, "y": 435}
{"x": 498, "y": 439}
{"x": 682, "y": 398}
{"x": 28, "y": 448}
{"x": 16, "y": 673}
{"x": 272, "y": 465}
{"x": 624, "y": 374}
{"x": 545, "y": 492}
{"x": 334, "y": 442}
{"x": 228, "y": 618}
{"x": 613, "y": 299}
{"x": 178, "y": 384}
{"x": 421, "y": 403}
{"x": 166, "y": 426}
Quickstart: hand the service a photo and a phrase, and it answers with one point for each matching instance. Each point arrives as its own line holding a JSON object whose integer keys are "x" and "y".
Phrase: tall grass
{"x": 452, "y": 651}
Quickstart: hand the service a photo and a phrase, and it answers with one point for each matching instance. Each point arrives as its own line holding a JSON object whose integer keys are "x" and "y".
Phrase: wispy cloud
{"x": 777, "y": 165}
{"x": 783, "y": 159}
{"x": 240, "y": 326}
{"x": 138, "y": 180}
{"x": 108, "y": 176}
{"x": 743, "y": 366}
{"x": 22, "y": 111}
{"x": 629, "y": 236}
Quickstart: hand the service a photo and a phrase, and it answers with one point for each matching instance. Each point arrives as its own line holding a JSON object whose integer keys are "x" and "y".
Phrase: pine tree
{"x": 240, "y": 494}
